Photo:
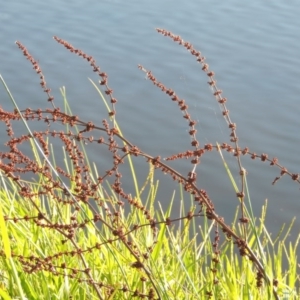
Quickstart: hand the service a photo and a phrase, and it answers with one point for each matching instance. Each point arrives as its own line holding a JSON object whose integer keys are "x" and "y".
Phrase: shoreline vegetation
{"x": 69, "y": 231}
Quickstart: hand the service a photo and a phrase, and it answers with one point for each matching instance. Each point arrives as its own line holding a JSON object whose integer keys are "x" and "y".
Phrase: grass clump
{"x": 69, "y": 231}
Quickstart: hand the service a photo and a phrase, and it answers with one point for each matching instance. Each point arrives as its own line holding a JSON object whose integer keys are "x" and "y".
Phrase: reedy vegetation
{"x": 68, "y": 233}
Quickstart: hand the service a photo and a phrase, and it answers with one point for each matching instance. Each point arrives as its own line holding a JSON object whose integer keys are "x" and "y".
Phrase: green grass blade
{"x": 3, "y": 228}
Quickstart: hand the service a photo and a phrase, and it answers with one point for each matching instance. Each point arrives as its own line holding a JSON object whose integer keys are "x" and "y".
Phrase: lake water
{"x": 253, "y": 49}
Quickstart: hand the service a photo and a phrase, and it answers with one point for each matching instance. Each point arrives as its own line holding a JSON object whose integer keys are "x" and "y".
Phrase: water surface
{"x": 253, "y": 49}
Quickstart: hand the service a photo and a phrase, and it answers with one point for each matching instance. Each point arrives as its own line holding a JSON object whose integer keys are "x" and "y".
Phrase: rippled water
{"x": 253, "y": 49}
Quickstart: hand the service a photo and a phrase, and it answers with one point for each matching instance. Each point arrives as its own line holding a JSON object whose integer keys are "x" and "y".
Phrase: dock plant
{"x": 70, "y": 230}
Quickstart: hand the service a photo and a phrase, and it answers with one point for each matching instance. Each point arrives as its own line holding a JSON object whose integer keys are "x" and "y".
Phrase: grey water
{"x": 252, "y": 47}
